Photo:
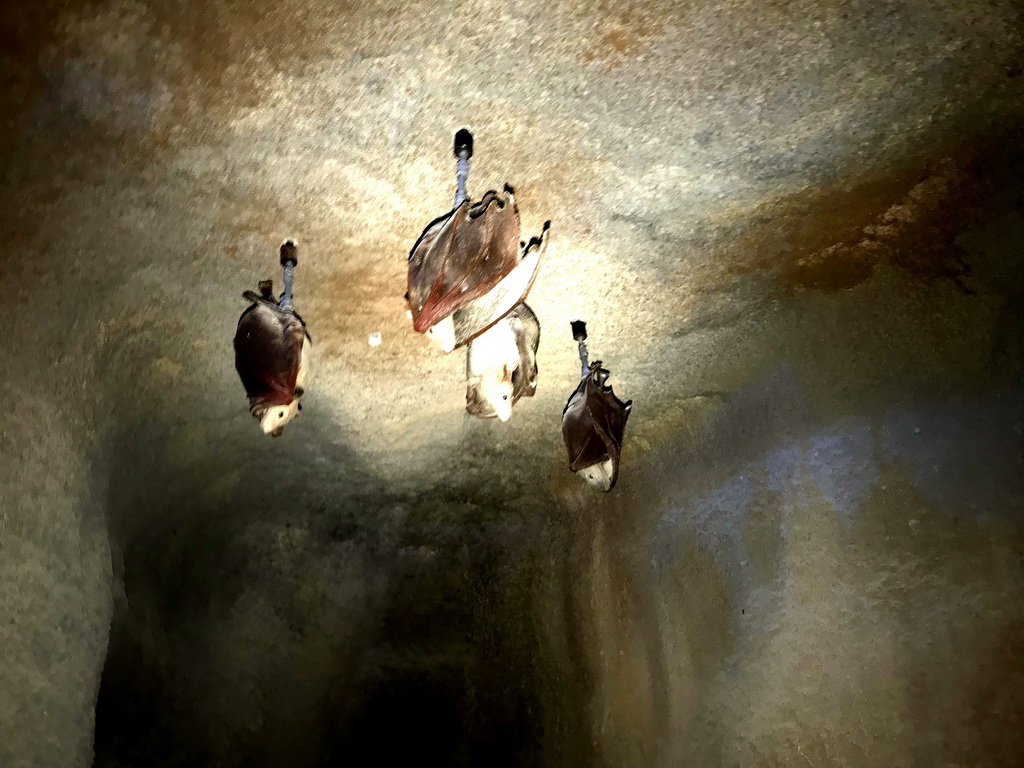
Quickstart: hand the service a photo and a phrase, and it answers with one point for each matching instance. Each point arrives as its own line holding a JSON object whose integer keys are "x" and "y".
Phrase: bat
{"x": 469, "y": 268}
{"x": 272, "y": 351}
{"x": 501, "y": 364}
{"x": 593, "y": 423}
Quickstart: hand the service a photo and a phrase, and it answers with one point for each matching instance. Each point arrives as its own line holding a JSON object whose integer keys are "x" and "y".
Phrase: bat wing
{"x": 527, "y": 331}
{"x": 302, "y": 322}
{"x": 461, "y": 256}
{"x": 476, "y": 316}
{"x": 477, "y": 405}
{"x": 593, "y": 422}
{"x": 268, "y": 346}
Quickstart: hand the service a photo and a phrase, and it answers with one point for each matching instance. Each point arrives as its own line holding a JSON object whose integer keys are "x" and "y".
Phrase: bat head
{"x": 442, "y": 335}
{"x": 599, "y": 475}
{"x": 497, "y": 389}
{"x": 274, "y": 418}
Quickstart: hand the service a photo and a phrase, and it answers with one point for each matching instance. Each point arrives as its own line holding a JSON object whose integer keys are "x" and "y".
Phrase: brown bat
{"x": 469, "y": 269}
{"x": 272, "y": 349}
{"x": 501, "y": 365}
{"x": 593, "y": 423}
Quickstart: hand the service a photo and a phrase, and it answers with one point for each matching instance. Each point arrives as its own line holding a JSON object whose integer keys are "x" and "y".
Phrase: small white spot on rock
{"x": 375, "y": 339}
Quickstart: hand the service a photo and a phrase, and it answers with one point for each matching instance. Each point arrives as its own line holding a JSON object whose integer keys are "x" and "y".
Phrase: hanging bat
{"x": 593, "y": 423}
{"x": 501, "y": 364}
{"x": 272, "y": 350}
{"x": 469, "y": 268}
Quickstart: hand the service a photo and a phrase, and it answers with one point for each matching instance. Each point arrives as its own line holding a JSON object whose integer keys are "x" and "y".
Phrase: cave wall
{"x": 794, "y": 230}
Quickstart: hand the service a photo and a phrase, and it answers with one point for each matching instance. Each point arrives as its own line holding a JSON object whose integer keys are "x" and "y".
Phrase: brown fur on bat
{"x": 593, "y": 424}
{"x": 501, "y": 365}
{"x": 461, "y": 269}
{"x": 271, "y": 348}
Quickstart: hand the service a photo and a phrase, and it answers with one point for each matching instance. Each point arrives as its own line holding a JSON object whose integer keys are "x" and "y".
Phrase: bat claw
{"x": 463, "y": 142}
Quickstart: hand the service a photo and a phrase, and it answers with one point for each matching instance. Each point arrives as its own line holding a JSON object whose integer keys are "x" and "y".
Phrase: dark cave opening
{"x": 314, "y": 625}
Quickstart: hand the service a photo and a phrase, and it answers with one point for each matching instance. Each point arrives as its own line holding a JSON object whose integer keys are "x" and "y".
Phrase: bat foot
{"x": 463, "y": 142}
{"x": 289, "y": 253}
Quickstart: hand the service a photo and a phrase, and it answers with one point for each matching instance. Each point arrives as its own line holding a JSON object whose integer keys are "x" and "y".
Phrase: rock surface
{"x": 794, "y": 230}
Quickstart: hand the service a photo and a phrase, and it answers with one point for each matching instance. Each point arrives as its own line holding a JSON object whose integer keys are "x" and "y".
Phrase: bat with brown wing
{"x": 272, "y": 351}
{"x": 594, "y": 422}
{"x": 469, "y": 268}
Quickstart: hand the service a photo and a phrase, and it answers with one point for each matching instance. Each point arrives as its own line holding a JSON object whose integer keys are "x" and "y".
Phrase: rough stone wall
{"x": 795, "y": 231}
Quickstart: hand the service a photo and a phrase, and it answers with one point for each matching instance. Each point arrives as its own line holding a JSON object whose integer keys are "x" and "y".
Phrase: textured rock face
{"x": 795, "y": 233}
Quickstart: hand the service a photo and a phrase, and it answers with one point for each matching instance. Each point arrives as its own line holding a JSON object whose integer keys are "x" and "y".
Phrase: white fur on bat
{"x": 443, "y": 334}
{"x": 275, "y": 418}
{"x": 272, "y": 357}
{"x": 599, "y": 476}
{"x": 501, "y": 365}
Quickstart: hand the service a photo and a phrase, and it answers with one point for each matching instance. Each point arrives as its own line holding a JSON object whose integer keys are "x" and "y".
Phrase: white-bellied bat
{"x": 501, "y": 364}
{"x": 593, "y": 422}
{"x": 272, "y": 351}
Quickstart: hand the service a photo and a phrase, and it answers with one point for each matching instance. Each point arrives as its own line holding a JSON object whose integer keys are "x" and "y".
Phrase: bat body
{"x": 469, "y": 268}
{"x": 501, "y": 365}
{"x": 593, "y": 424}
{"x": 272, "y": 355}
